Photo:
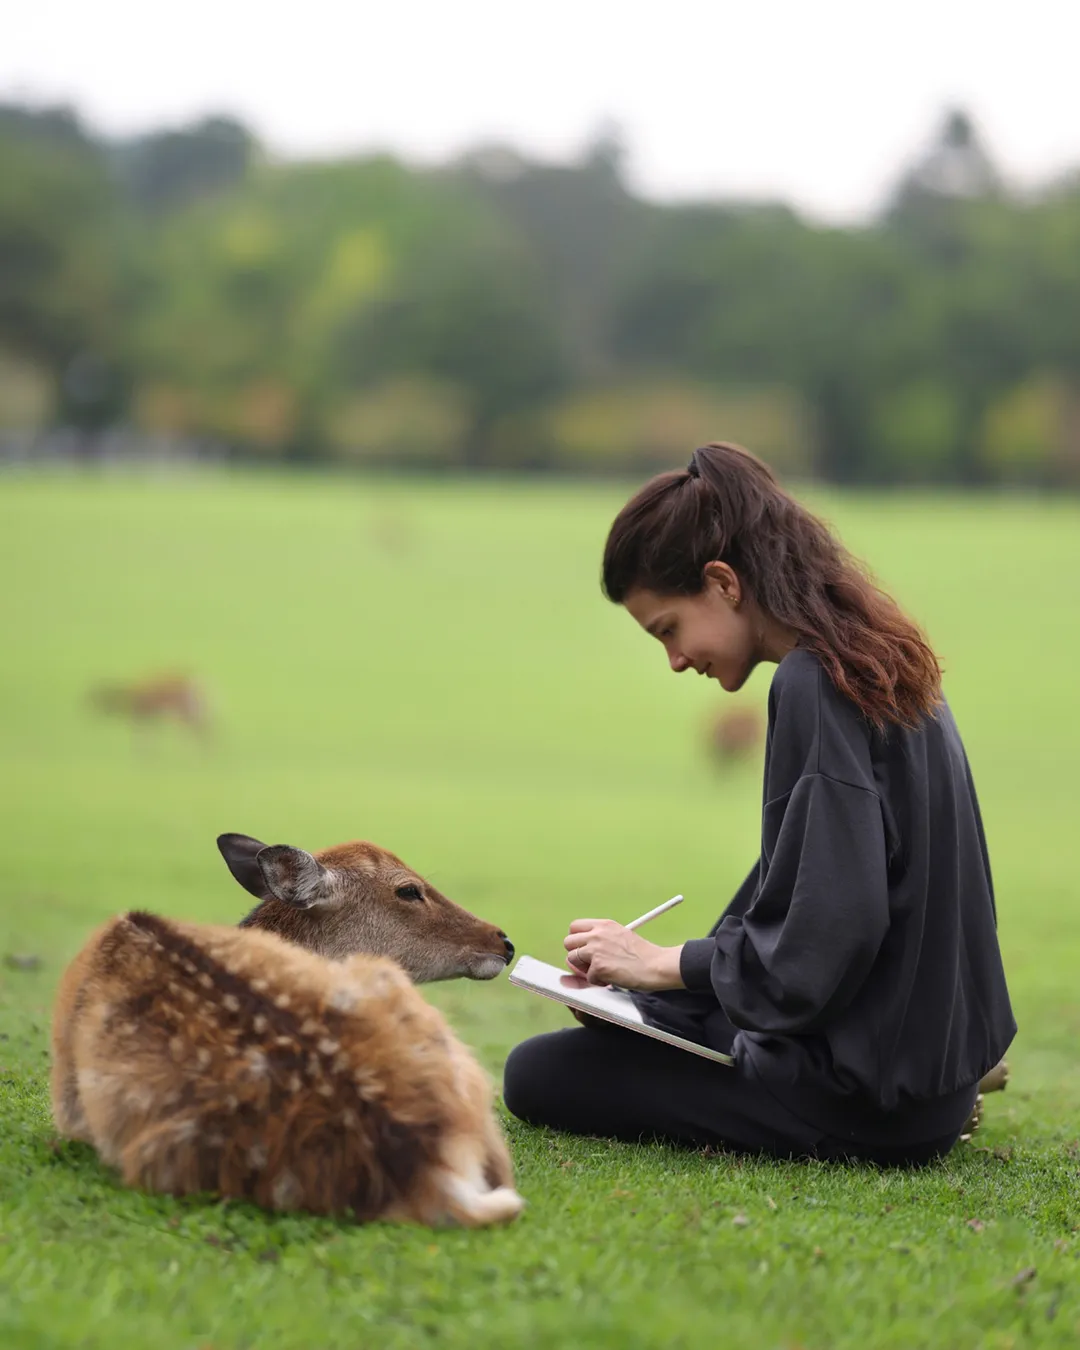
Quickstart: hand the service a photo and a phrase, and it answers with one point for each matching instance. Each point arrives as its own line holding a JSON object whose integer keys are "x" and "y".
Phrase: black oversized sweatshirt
{"x": 860, "y": 957}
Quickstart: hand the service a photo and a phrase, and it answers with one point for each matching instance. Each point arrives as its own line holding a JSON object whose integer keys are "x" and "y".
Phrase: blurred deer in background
{"x": 735, "y": 734}
{"x": 157, "y": 699}
{"x": 290, "y": 1061}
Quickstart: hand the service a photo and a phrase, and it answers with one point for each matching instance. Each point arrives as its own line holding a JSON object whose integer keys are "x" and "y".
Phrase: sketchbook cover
{"x": 613, "y": 1005}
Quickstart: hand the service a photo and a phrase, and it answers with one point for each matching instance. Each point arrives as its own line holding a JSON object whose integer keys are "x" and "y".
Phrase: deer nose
{"x": 507, "y": 944}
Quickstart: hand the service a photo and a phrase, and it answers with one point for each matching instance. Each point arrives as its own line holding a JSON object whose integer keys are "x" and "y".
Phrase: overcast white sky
{"x": 815, "y": 101}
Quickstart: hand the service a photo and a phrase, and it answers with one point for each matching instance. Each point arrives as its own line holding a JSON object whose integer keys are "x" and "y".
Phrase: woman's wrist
{"x": 664, "y": 970}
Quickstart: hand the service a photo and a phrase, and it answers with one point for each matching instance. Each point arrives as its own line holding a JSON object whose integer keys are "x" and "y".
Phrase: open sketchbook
{"x": 613, "y": 1005}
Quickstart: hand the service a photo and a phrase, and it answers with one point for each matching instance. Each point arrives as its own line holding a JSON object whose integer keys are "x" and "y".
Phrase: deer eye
{"x": 409, "y": 892}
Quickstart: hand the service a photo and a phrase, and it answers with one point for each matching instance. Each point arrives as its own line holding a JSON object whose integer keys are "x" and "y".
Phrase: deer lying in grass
{"x": 288, "y": 1061}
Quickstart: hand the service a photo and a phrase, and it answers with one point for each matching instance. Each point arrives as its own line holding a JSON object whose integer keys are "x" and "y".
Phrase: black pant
{"x": 612, "y": 1082}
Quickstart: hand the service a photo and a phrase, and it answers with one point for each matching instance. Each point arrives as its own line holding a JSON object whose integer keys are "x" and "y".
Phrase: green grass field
{"x": 432, "y": 667}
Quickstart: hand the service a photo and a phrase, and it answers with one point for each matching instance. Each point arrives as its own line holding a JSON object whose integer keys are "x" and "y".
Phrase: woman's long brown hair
{"x": 728, "y": 506}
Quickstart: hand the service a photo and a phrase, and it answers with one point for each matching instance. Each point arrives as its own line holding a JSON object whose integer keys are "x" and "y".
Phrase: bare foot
{"x": 996, "y": 1079}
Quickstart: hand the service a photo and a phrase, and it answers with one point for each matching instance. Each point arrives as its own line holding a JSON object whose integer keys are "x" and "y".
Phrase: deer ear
{"x": 240, "y": 852}
{"x": 293, "y": 875}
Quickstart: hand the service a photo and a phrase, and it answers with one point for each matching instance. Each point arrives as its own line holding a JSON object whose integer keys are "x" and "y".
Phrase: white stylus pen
{"x": 660, "y": 909}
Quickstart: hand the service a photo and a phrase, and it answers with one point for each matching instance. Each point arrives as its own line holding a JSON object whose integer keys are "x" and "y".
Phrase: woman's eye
{"x": 409, "y": 892}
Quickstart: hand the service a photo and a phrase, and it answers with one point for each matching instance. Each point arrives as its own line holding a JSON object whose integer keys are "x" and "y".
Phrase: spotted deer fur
{"x": 238, "y": 1061}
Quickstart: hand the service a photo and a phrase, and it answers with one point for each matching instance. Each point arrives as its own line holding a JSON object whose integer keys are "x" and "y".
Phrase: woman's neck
{"x": 775, "y": 639}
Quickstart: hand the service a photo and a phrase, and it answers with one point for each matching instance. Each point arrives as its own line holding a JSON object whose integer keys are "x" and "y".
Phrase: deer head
{"x": 357, "y": 897}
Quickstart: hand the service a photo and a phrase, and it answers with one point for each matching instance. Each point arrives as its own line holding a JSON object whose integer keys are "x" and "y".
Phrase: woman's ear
{"x": 724, "y": 582}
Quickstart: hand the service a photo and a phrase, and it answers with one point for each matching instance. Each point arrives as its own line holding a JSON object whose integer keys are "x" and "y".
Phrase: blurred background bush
{"x": 186, "y": 293}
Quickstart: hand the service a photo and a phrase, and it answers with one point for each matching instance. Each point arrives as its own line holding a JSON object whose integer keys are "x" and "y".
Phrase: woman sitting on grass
{"x": 856, "y": 975}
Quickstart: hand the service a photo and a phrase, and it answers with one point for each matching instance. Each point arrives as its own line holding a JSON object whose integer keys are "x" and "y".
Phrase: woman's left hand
{"x": 604, "y": 952}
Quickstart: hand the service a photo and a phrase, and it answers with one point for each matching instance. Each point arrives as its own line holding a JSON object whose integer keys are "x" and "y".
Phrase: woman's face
{"x": 716, "y": 632}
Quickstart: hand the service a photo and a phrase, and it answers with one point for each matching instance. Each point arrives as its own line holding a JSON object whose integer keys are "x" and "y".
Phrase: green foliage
{"x": 25, "y": 395}
{"x": 432, "y": 667}
{"x": 187, "y": 283}
{"x": 1032, "y": 432}
{"x": 650, "y": 423}
{"x": 170, "y": 169}
{"x": 917, "y": 429}
{"x": 58, "y": 275}
{"x": 402, "y": 421}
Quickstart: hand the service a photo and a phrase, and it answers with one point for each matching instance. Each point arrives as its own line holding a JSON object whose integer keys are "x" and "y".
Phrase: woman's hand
{"x": 604, "y": 952}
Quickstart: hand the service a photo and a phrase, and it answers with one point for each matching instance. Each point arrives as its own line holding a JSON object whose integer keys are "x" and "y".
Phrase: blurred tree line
{"x": 498, "y": 312}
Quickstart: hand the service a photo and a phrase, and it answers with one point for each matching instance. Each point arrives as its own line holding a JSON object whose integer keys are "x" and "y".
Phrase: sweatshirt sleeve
{"x": 803, "y": 948}
{"x": 695, "y": 960}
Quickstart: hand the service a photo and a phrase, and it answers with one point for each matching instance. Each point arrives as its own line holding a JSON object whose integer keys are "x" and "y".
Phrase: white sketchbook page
{"x": 544, "y": 979}
{"x": 614, "y": 1005}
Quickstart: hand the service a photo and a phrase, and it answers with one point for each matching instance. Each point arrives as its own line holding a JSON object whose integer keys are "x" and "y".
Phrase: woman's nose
{"x": 679, "y": 663}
